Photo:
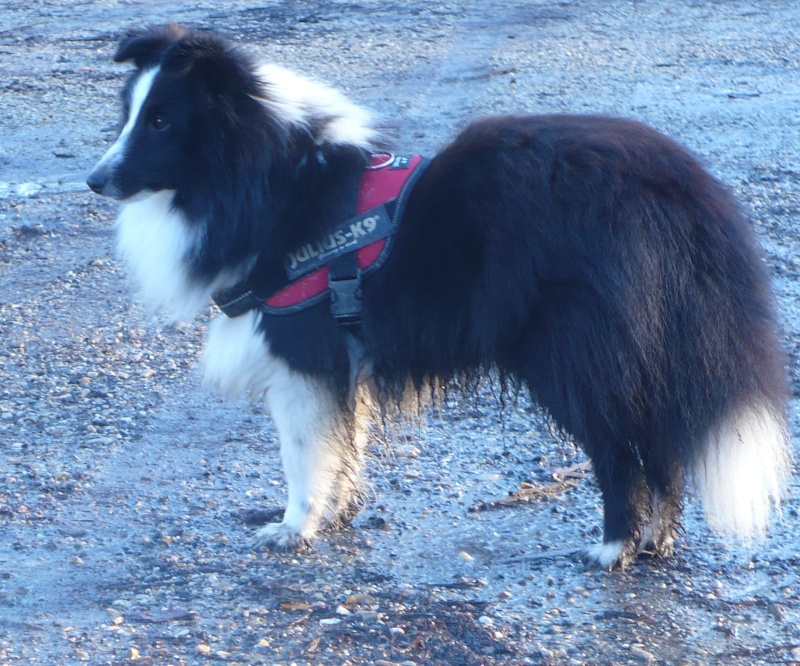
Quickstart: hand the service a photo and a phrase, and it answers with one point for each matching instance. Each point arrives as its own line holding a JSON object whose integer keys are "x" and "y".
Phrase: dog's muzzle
{"x": 98, "y": 179}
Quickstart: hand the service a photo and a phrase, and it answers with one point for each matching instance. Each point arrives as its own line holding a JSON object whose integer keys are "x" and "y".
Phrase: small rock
{"x": 640, "y": 654}
{"x": 407, "y": 451}
{"x": 203, "y": 648}
{"x": 356, "y": 599}
{"x": 777, "y": 611}
{"x": 28, "y": 189}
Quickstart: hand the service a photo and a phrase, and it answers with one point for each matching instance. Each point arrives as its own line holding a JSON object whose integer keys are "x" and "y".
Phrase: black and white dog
{"x": 591, "y": 260}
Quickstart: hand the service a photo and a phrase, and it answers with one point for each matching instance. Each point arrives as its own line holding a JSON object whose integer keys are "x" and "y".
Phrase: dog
{"x": 590, "y": 260}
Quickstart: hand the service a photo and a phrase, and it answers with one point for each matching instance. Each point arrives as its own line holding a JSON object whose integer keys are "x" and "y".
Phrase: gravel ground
{"x": 128, "y": 492}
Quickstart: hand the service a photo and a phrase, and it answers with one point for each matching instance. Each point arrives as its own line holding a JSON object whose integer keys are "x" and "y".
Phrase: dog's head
{"x": 188, "y": 86}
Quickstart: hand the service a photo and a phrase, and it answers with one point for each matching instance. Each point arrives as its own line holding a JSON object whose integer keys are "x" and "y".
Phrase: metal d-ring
{"x": 390, "y": 159}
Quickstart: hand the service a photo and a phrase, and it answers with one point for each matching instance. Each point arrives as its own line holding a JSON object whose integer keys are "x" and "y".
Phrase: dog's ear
{"x": 146, "y": 46}
{"x": 219, "y": 65}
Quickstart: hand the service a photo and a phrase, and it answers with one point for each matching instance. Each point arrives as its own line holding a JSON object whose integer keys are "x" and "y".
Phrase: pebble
{"x": 640, "y": 654}
{"x": 407, "y": 451}
{"x": 28, "y": 189}
{"x": 202, "y": 648}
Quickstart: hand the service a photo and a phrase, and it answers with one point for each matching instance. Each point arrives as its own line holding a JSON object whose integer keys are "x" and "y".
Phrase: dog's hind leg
{"x": 621, "y": 480}
{"x": 317, "y": 452}
{"x": 666, "y": 505}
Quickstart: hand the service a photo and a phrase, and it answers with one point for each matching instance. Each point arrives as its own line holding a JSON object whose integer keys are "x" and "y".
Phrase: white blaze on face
{"x": 140, "y": 91}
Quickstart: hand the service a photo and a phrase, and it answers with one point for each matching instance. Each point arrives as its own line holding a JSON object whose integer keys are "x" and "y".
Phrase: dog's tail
{"x": 743, "y": 469}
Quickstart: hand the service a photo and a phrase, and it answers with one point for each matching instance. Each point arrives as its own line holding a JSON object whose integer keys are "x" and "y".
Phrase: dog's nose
{"x": 97, "y": 180}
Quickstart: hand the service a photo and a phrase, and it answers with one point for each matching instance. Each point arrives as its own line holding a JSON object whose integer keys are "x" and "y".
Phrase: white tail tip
{"x": 743, "y": 471}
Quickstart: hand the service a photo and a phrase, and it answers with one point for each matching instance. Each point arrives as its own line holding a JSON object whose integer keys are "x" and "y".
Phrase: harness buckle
{"x": 344, "y": 282}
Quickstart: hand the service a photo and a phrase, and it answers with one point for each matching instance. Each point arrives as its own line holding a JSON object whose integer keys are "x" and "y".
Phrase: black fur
{"x": 590, "y": 259}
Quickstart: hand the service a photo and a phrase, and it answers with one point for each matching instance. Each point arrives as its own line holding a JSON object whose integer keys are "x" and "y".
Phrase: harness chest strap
{"x": 333, "y": 265}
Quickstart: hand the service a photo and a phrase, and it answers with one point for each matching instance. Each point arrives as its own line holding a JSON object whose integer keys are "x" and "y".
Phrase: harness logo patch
{"x": 349, "y": 236}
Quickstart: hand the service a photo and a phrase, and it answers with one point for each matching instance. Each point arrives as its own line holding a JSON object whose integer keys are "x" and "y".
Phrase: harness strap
{"x": 237, "y": 299}
{"x": 334, "y": 265}
{"x": 344, "y": 282}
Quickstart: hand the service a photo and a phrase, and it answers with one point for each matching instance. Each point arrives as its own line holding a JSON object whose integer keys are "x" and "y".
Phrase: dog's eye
{"x": 159, "y": 123}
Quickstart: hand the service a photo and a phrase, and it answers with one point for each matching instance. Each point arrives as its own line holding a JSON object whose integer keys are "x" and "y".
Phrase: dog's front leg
{"x": 314, "y": 445}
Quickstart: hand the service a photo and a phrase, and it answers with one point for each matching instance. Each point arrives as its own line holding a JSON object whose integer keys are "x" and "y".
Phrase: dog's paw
{"x": 661, "y": 546}
{"x": 612, "y": 556}
{"x": 279, "y": 536}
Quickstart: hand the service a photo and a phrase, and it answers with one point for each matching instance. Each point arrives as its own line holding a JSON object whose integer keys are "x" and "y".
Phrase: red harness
{"x": 387, "y": 181}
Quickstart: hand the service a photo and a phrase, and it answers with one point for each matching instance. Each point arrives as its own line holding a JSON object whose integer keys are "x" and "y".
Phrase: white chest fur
{"x": 156, "y": 244}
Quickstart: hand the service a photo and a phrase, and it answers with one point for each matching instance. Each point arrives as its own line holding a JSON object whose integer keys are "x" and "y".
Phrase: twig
{"x": 543, "y": 557}
{"x": 564, "y": 480}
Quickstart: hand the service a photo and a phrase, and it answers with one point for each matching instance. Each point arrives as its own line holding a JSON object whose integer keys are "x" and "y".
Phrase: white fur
{"x": 141, "y": 89}
{"x": 297, "y": 100}
{"x": 155, "y": 242}
{"x": 317, "y": 459}
{"x": 744, "y": 472}
{"x": 307, "y": 422}
{"x": 236, "y": 358}
{"x": 605, "y": 555}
